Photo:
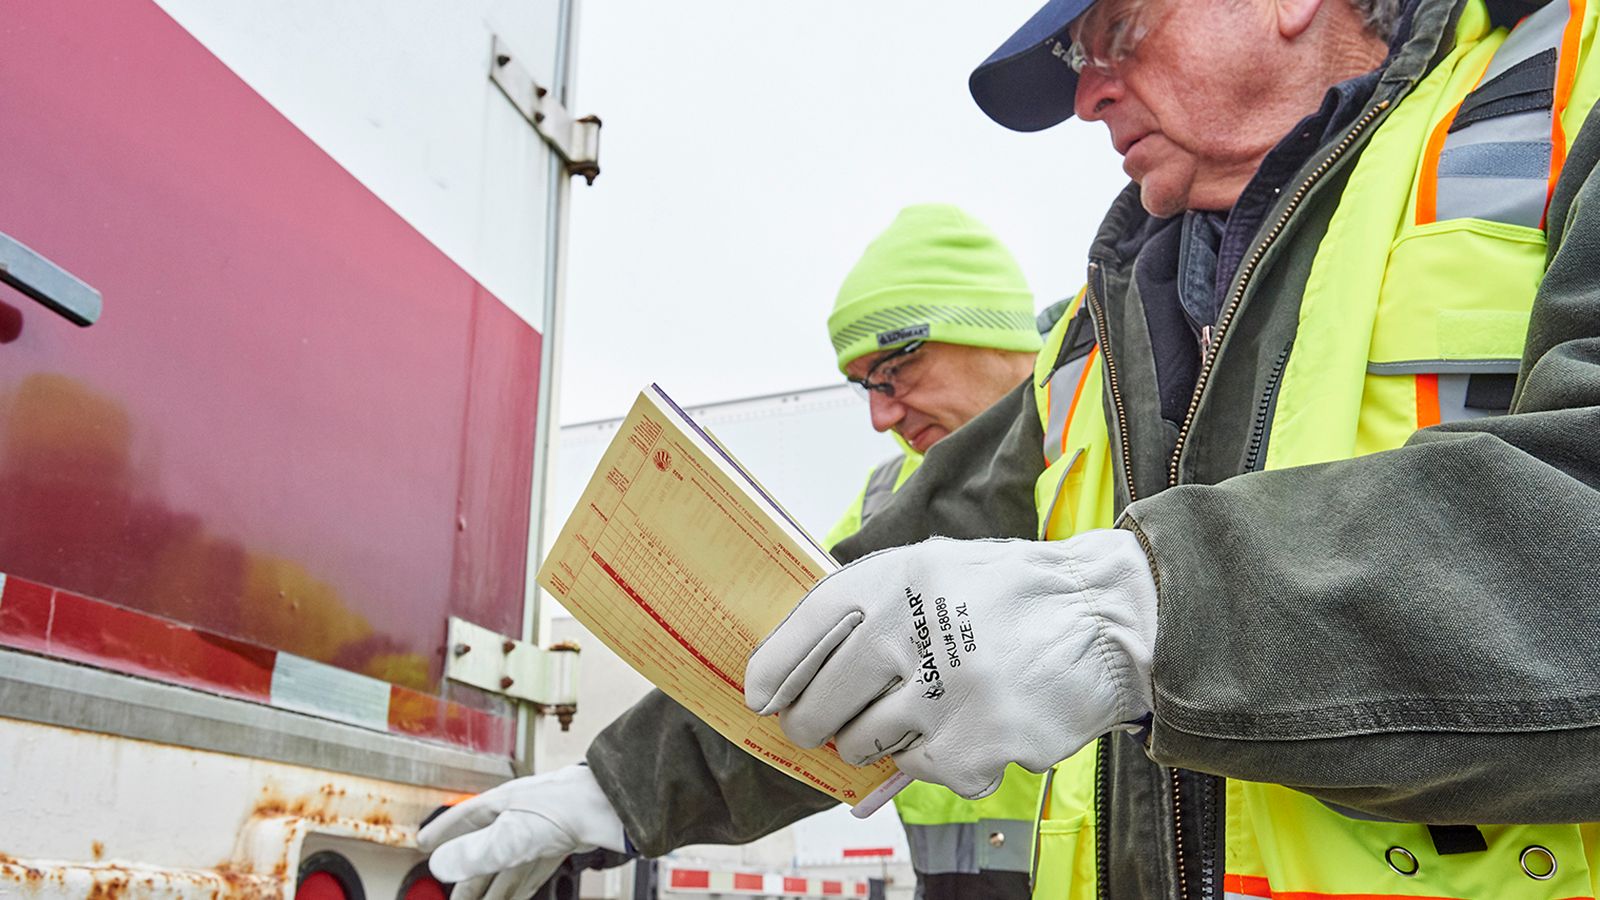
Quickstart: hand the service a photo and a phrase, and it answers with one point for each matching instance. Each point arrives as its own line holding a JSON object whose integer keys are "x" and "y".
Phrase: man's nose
{"x": 1097, "y": 90}
{"x": 886, "y": 411}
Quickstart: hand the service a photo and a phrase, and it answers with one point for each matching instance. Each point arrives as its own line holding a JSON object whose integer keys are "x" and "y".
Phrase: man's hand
{"x": 506, "y": 842}
{"x": 957, "y": 657}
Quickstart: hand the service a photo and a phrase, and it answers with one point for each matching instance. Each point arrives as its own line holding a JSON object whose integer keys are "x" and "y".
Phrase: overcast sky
{"x": 751, "y": 149}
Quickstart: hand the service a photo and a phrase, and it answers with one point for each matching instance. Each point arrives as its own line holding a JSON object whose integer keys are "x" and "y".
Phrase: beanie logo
{"x": 901, "y": 335}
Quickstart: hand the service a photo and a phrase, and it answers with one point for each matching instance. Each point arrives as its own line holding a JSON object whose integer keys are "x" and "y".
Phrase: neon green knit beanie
{"x": 936, "y": 274}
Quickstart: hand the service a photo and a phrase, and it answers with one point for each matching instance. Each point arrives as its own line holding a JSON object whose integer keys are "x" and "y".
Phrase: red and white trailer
{"x": 277, "y": 354}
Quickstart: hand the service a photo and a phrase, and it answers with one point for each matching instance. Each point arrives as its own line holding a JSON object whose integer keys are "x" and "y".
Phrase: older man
{"x": 1349, "y": 605}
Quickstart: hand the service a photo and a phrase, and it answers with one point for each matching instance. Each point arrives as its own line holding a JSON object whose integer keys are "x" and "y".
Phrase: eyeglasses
{"x": 1109, "y": 33}
{"x": 892, "y": 366}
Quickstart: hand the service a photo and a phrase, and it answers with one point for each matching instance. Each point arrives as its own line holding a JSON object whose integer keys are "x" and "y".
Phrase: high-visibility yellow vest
{"x": 948, "y": 833}
{"x": 884, "y": 479}
{"x": 1418, "y": 296}
{"x": 1073, "y": 494}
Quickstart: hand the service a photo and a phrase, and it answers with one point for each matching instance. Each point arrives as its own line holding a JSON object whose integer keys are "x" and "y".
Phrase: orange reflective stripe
{"x": 1566, "y": 73}
{"x": 1256, "y": 886}
{"x": 1428, "y": 186}
{"x": 1249, "y": 885}
{"x": 1083, "y": 378}
{"x": 1427, "y": 400}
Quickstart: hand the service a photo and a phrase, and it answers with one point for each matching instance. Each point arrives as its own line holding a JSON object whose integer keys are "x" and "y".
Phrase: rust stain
{"x": 109, "y": 889}
{"x": 328, "y": 804}
{"x": 115, "y": 882}
{"x": 12, "y": 868}
{"x": 99, "y": 850}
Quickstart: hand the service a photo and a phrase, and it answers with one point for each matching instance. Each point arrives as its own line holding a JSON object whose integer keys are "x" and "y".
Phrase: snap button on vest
{"x": 1539, "y": 863}
{"x": 1401, "y": 860}
{"x": 998, "y": 839}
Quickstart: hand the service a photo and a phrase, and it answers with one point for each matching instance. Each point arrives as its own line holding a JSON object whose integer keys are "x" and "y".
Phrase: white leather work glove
{"x": 957, "y": 657}
{"x": 505, "y": 842}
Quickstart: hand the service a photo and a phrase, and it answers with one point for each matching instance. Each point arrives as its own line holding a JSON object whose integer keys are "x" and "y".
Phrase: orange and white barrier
{"x": 686, "y": 880}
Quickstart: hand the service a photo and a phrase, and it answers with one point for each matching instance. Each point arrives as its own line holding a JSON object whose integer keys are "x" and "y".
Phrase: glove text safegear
{"x": 957, "y": 657}
{"x": 507, "y": 841}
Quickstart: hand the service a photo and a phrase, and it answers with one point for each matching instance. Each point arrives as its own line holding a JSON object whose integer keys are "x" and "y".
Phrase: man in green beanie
{"x": 936, "y": 323}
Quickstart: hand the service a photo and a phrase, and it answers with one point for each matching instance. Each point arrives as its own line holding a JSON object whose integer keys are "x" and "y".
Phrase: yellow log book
{"x": 681, "y": 563}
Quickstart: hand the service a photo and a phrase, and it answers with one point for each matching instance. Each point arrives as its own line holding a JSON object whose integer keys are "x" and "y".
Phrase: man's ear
{"x": 1295, "y": 16}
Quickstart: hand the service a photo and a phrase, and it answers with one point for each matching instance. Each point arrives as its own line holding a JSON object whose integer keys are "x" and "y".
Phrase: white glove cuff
{"x": 594, "y": 821}
{"x": 1119, "y": 592}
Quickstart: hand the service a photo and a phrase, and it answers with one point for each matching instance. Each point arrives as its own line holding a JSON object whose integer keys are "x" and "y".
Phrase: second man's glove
{"x": 506, "y": 842}
{"x": 957, "y": 657}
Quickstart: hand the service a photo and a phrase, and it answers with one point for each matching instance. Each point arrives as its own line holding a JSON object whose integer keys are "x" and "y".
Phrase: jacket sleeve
{"x": 1414, "y": 633}
{"x": 976, "y": 483}
{"x": 674, "y": 781}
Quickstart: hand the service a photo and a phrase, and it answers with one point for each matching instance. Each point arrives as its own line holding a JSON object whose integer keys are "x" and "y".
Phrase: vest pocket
{"x": 1451, "y": 321}
{"x": 1457, "y": 291}
{"x": 1066, "y": 859}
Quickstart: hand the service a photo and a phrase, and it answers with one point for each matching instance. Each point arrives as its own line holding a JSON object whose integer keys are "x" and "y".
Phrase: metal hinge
{"x": 546, "y": 678}
{"x": 576, "y": 141}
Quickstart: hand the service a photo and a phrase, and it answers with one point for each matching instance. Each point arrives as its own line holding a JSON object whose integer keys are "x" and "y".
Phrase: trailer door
{"x": 304, "y": 428}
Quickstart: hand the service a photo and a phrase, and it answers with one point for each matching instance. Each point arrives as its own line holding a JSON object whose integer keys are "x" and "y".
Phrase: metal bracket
{"x": 546, "y": 678}
{"x": 576, "y": 141}
{"x": 44, "y": 281}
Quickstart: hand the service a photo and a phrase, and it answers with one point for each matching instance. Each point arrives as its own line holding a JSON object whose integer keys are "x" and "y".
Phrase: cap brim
{"x": 1027, "y": 85}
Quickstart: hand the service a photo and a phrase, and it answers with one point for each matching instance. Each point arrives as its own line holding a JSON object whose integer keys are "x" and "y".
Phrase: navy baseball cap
{"x": 1027, "y": 85}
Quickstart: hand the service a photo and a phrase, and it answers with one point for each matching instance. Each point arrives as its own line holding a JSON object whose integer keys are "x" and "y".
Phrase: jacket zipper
{"x": 1248, "y": 271}
{"x": 1258, "y": 431}
{"x": 1102, "y": 781}
{"x": 1102, "y": 801}
{"x": 1097, "y": 315}
{"x": 1207, "y": 363}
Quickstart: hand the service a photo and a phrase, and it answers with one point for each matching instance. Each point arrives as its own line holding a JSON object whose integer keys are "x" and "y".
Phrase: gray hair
{"x": 1381, "y": 17}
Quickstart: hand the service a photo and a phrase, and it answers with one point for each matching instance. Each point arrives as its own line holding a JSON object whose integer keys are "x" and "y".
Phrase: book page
{"x": 679, "y": 563}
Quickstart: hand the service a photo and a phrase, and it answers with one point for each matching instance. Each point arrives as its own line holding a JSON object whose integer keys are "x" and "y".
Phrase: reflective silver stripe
{"x": 1446, "y": 366}
{"x": 880, "y": 486}
{"x": 1453, "y": 400}
{"x": 1061, "y": 384}
{"x": 1509, "y": 200}
{"x": 1531, "y": 37}
{"x": 966, "y": 848}
{"x": 1499, "y": 168}
{"x": 1013, "y": 851}
{"x": 944, "y": 849}
{"x": 1507, "y": 159}
{"x": 930, "y": 314}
